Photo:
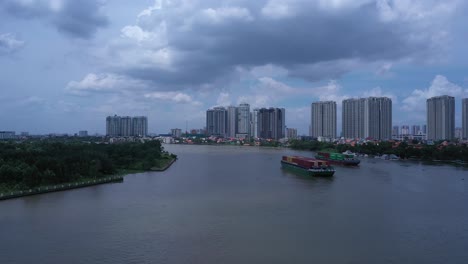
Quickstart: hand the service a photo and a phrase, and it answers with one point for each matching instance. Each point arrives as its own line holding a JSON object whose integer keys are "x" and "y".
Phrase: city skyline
{"x": 74, "y": 64}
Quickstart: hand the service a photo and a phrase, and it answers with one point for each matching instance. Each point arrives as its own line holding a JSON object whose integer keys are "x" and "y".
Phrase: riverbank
{"x": 59, "y": 187}
{"x": 119, "y": 177}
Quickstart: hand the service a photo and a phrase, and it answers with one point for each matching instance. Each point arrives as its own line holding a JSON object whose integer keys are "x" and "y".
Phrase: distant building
{"x": 24, "y": 134}
{"x": 405, "y": 130}
{"x": 367, "y": 118}
{"x": 440, "y": 118}
{"x": 395, "y": 131}
{"x": 243, "y": 121}
{"x": 291, "y": 133}
{"x": 176, "y": 132}
{"x": 231, "y": 121}
{"x": 126, "y": 126}
{"x": 216, "y": 121}
{"x": 83, "y": 133}
{"x": 323, "y": 119}
{"x": 272, "y": 123}
{"x": 424, "y": 129}
{"x": 254, "y": 123}
{"x": 415, "y": 129}
{"x": 465, "y": 118}
{"x": 458, "y": 133}
{"x": 7, "y": 135}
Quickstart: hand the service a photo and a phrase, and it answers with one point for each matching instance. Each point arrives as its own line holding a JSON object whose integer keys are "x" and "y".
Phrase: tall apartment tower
{"x": 378, "y": 118}
{"x": 126, "y": 126}
{"x": 465, "y": 118}
{"x": 272, "y": 123}
{"x": 243, "y": 120}
{"x": 440, "y": 117}
{"x": 254, "y": 123}
{"x": 140, "y": 126}
{"x": 367, "y": 117}
{"x": 323, "y": 119}
{"x": 216, "y": 121}
{"x": 231, "y": 121}
{"x": 353, "y": 118}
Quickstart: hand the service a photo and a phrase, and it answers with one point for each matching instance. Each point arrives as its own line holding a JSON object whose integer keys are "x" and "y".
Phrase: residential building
{"x": 465, "y": 118}
{"x": 254, "y": 123}
{"x": 231, "y": 121}
{"x": 395, "y": 131}
{"x": 216, "y": 121}
{"x": 458, "y": 133}
{"x": 291, "y": 133}
{"x": 7, "y": 135}
{"x": 415, "y": 130}
{"x": 176, "y": 132}
{"x": 405, "y": 130}
{"x": 83, "y": 133}
{"x": 126, "y": 126}
{"x": 367, "y": 118}
{"x": 323, "y": 119}
{"x": 440, "y": 118}
{"x": 243, "y": 121}
{"x": 353, "y": 118}
{"x": 272, "y": 123}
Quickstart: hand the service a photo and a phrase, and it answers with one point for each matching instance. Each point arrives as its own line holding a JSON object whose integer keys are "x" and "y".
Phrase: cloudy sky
{"x": 65, "y": 64}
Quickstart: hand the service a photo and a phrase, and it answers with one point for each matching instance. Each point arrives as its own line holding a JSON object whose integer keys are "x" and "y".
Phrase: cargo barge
{"x": 338, "y": 158}
{"x": 308, "y": 166}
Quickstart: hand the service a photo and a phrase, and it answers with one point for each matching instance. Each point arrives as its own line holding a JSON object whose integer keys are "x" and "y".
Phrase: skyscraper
{"x": 415, "y": 129}
{"x": 126, "y": 126}
{"x": 243, "y": 120}
{"x": 140, "y": 126}
{"x": 440, "y": 117}
{"x": 465, "y": 118}
{"x": 395, "y": 131}
{"x": 353, "y": 118}
{"x": 216, "y": 121}
{"x": 231, "y": 121}
{"x": 254, "y": 123}
{"x": 378, "y": 118}
{"x": 367, "y": 117}
{"x": 271, "y": 123}
{"x": 323, "y": 119}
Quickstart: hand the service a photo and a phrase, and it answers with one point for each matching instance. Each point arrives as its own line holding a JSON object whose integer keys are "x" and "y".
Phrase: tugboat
{"x": 338, "y": 158}
{"x": 308, "y": 166}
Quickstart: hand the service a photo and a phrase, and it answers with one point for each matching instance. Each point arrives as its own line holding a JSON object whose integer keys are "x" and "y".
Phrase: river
{"x": 227, "y": 204}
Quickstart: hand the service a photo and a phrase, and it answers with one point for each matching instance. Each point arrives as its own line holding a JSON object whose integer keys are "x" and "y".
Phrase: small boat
{"x": 338, "y": 158}
{"x": 308, "y": 166}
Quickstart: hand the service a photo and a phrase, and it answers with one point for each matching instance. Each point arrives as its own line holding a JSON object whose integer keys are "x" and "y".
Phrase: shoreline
{"x": 76, "y": 185}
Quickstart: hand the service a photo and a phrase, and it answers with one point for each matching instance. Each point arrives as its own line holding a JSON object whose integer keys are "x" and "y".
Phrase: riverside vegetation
{"x": 32, "y": 164}
{"x": 403, "y": 150}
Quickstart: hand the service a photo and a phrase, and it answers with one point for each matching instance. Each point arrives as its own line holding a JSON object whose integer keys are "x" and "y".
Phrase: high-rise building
{"x": 216, "y": 121}
{"x": 424, "y": 129}
{"x": 231, "y": 121}
{"x": 367, "y": 118}
{"x": 126, "y": 126}
{"x": 458, "y": 132}
{"x": 395, "y": 131}
{"x": 140, "y": 126}
{"x": 83, "y": 133}
{"x": 7, "y": 135}
{"x": 291, "y": 133}
{"x": 176, "y": 132}
{"x": 243, "y": 120}
{"x": 415, "y": 129}
{"x": 440, "y": 117}
{"x": 323, "y": 119}
{"x": 353, "y": 118}
{"x": 378, "y": 118}
{"x": 465, "y": 118}
{"x": 271, "y": 123}
{"x": 254, "y": 123}
{"x": 405, "y": 130}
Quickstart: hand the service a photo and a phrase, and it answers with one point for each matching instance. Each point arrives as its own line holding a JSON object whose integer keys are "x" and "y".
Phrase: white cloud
{"x": 177, "y": 97}
{"x": 224, "y": 99}
{"x": 224, "y": 14}
{"x": 439, "y": 86}
{"x": 378, "y": 92}
{"x": 9, "y": 43}
{"x": 103, "y": 83}
{"x": 278, "y": 9}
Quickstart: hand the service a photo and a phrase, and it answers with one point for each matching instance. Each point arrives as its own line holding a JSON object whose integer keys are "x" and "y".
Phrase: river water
{"x": 235, "y": 205}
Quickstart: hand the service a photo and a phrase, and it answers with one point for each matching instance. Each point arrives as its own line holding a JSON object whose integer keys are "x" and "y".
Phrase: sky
{"x": 66, "y": 65}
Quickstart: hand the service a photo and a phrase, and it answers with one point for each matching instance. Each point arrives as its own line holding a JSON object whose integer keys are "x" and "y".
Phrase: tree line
{"x": 36, "y": 163}
{"x": 403, "y": 150}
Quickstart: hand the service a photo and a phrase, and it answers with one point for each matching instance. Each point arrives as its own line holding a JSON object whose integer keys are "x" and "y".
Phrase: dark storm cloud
{"x": 79, "y": 19}
{"x": 311, "y": 42}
